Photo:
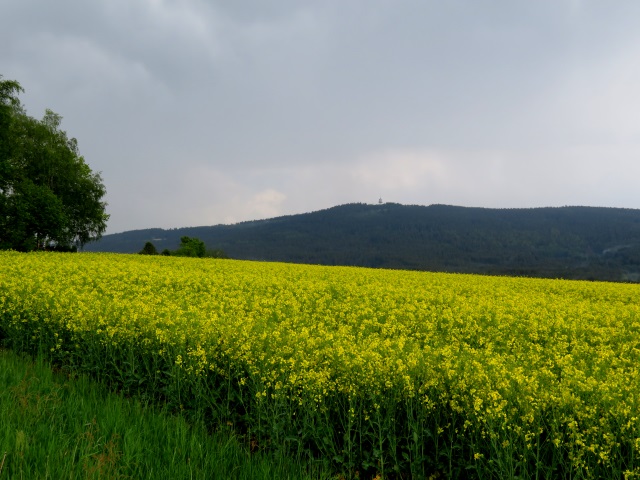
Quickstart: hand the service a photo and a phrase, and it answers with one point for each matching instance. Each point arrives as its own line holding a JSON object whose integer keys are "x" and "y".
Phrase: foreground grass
{"x": 53, "y": 426}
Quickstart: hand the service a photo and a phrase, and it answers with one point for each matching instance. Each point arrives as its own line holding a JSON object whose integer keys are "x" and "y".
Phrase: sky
{"x": 201, "y": 112}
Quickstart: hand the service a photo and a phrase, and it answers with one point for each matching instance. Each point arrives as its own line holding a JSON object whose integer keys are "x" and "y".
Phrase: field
{"x": 372, "y": 372}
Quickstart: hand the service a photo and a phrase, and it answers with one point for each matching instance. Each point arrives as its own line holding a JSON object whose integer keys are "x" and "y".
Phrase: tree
{"x": 190, "y": 247}
{"x": 9, "y": 90}
{"x": 149, "y": 249}
{"x": 48, "y": 194}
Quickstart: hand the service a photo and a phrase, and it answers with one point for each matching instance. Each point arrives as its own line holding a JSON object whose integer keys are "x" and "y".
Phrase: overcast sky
{"x": 200, "y": 112}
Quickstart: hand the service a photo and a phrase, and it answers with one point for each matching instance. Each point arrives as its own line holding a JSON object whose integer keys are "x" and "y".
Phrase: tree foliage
{"x": 49, "y": 197}
{"x": 149, "y": 249}
{"x": 191, "y": 247}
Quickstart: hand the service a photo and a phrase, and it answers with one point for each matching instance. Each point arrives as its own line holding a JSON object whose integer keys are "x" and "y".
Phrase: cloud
{"x": 197, "y": 195}
{"x": 266, "y": 204}
{"x": 394, "y": 171}
{"x": 205, "y": 112}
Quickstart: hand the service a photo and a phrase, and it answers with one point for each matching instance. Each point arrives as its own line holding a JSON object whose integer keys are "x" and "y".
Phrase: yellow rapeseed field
{"x": 382, "y": 370}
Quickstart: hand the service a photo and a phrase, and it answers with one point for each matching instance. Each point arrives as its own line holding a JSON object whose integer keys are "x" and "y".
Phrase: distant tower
{"x": 380, "y": 201}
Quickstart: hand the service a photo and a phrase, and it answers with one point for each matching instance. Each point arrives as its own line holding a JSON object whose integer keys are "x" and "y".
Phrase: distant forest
{"x": 565, "y": 242}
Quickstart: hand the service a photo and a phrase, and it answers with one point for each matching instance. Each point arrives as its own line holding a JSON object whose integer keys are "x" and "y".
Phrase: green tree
{"x": 191, "y": 247}
{"x": 34, "y": 213}
{"x": 9, "y": 91}
{"x": 48, "y": 194}
{"x": 149, "y": 249}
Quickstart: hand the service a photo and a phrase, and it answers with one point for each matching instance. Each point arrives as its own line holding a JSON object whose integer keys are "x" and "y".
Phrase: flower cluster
{"x": 515, "y": 370}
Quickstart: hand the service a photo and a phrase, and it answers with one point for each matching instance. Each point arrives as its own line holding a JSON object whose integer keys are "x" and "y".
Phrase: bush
{"x": 190, "y": 247}
{"x": 149, "y": 249}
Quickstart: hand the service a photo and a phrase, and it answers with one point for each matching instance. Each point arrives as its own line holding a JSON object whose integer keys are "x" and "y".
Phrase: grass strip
{"x": 55, "y": 426}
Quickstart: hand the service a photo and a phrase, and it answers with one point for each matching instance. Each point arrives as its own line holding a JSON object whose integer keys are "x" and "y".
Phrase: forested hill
{"x": 564, "y": 242}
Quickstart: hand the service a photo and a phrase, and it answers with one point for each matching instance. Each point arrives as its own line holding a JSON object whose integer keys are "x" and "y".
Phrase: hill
{"x": 561, "y": 242}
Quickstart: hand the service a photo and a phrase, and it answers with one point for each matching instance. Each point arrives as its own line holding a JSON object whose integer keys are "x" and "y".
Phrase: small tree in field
{"x": 191, "y": 247}
{"x": 149, "y": 249}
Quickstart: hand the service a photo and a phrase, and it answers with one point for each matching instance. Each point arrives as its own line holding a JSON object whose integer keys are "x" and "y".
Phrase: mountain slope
{"x": 568, "y": 242}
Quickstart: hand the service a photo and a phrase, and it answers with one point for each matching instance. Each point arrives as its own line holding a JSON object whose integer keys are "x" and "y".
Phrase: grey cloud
{"x": 283, "y": 106}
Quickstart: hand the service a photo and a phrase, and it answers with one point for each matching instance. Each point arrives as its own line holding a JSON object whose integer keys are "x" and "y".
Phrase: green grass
{"x": 57, "y": 427}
